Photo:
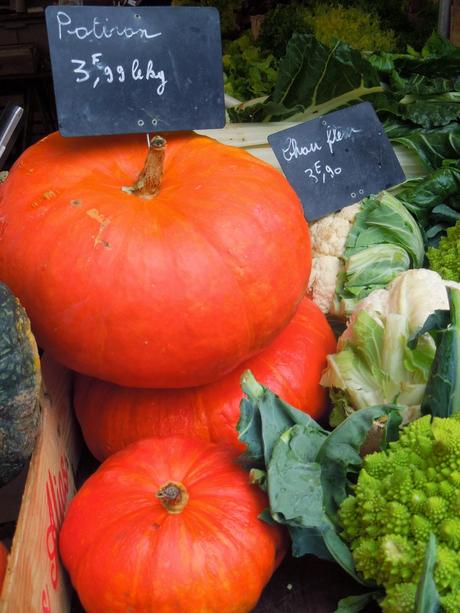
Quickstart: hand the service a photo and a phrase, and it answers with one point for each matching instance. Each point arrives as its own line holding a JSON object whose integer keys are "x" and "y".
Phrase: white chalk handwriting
{"x": 98, "y": 29}
{"x": 101, "y": 72}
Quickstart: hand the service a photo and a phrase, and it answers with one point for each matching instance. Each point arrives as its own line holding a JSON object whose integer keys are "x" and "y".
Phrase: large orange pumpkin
{"x": 111, "y": 416}
{"x": 169, "y": 525}
{"x": 154, "y": 285}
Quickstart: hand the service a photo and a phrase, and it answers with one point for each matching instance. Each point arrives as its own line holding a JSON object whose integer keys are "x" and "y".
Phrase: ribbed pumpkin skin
{"x": 174, "y": 291}
{"x": 111, "y": 416}
{"x": 20, "y": 379}
{"x": 125, "y": 552}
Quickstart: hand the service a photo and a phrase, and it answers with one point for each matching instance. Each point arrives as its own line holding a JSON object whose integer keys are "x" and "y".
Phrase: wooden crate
{"x": 35, "y": 580}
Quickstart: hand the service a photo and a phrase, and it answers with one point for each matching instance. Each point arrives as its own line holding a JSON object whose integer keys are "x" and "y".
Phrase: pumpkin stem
{"x": 148, "y": 182}
{"x": 173, "y": 496}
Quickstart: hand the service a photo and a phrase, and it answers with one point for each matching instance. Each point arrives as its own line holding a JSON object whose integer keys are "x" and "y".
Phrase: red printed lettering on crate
{"x": 57, "y": 489}
{"x": 46, "y": 605}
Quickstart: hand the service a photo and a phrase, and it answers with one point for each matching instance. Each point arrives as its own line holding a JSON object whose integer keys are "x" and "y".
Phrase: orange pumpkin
{"x": 169, "y": 525}
{"x": 111, "y": 416}
{"x": 154, "y": 285}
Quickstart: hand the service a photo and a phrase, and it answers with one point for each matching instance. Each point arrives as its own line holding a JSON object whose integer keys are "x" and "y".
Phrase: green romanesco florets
{"x": 402, "y": 495}
{"x": 445, "y": 259}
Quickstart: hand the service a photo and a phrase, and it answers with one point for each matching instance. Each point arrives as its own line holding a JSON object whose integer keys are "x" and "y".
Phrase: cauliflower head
{"x": 403, "y": 495}
{"x": 328, "y": 237}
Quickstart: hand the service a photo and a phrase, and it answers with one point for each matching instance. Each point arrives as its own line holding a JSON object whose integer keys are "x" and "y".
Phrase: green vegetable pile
{"x": 247, "y": 71}
{"x": 391, "y": 520}
{"x": 403, "y": 495}
{"x": 410, "y": 91}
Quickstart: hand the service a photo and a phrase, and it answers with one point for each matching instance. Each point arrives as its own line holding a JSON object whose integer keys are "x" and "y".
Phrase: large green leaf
{"x": 355, "y": 604}
{"x": 421, "y": 85}
{"x": 339, "y": 455}
{"x": 384, "y": 219}
{"x": 427, "y": 598}
{"x": 442, "y": 395}
{"x": 294, "y": 480}
{"x": 433, "y": 112}
{"x": 432, "y": 146}
{"x": 313, "y": 79}
{"x": 439, "y": 57}
{"x": 441, "y": 186}
{"x": 264, "y": 417}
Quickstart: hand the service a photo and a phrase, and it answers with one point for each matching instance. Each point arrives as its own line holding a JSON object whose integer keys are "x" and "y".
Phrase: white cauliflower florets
{"x": 328, "y": 237}
{"x": 329, "y": 234}
{"x": 323, "y": 279}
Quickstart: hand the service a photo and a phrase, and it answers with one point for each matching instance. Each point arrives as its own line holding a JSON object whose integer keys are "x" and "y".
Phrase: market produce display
{"x": 111, "y": 416}
{"x": 169, "y": 524}
{"x": 20, "y": 381}
{"x": 170, "y": 291}
{"x": 196, "y": 306}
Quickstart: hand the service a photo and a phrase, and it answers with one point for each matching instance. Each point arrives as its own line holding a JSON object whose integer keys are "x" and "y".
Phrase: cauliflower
{"x": 329, "y": 234}
{"x": 323, "y": 280}
{"x": 403, "y": 495}
{"x": 328, "y": 238}
{"x": 364, "y": 247}
{"x": 373, "y": 364}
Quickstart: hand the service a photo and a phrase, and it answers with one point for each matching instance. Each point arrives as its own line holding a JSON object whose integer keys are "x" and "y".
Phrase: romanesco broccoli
{"x": 445, "y": 259}
{"x": 402, "y": 495}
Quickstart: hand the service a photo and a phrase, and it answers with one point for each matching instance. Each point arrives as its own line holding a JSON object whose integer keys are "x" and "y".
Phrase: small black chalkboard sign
{"x": 337, "y": 159}
{"x": 136, "y": 69}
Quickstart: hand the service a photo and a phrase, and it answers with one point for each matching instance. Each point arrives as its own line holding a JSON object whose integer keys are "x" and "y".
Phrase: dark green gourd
{"x": 20, "y": 379}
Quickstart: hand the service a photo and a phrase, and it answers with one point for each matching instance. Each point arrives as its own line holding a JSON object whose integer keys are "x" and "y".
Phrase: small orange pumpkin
{"x": 169, "y": 525}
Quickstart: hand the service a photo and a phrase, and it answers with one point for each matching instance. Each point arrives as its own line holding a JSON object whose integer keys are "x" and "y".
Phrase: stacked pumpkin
{"x": 160, "y": 291}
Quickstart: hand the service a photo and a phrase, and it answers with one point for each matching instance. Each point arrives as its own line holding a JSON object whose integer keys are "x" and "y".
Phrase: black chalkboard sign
{"x": 136, "y": 69}
{"x": 337, "y": 159}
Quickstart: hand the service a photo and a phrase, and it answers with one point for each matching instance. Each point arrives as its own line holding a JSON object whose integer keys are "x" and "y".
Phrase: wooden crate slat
{"x": 35, "y": 580}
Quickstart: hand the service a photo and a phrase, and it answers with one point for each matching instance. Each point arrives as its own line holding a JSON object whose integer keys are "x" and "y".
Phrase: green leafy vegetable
{"x": 417, "y": 92}
{"x": 358, "y": 28}
{"x": 384, "y": 220}
{"x": 355, "y": 604}
{"x": 297, "y": 474}
{"x": 427, "y": 598}
{"x": 423, "y": 196}
{"x": 260, "y": 431}
{"x": 432, "y": 146}
{"x": 384, "y": 241}
{"x": 248, "y": 72}
{"x": 442, "y": 396}
{"x": 313, "y": 79}
{"x": 339, "y": 455}
{"x": 279, "y": 24}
